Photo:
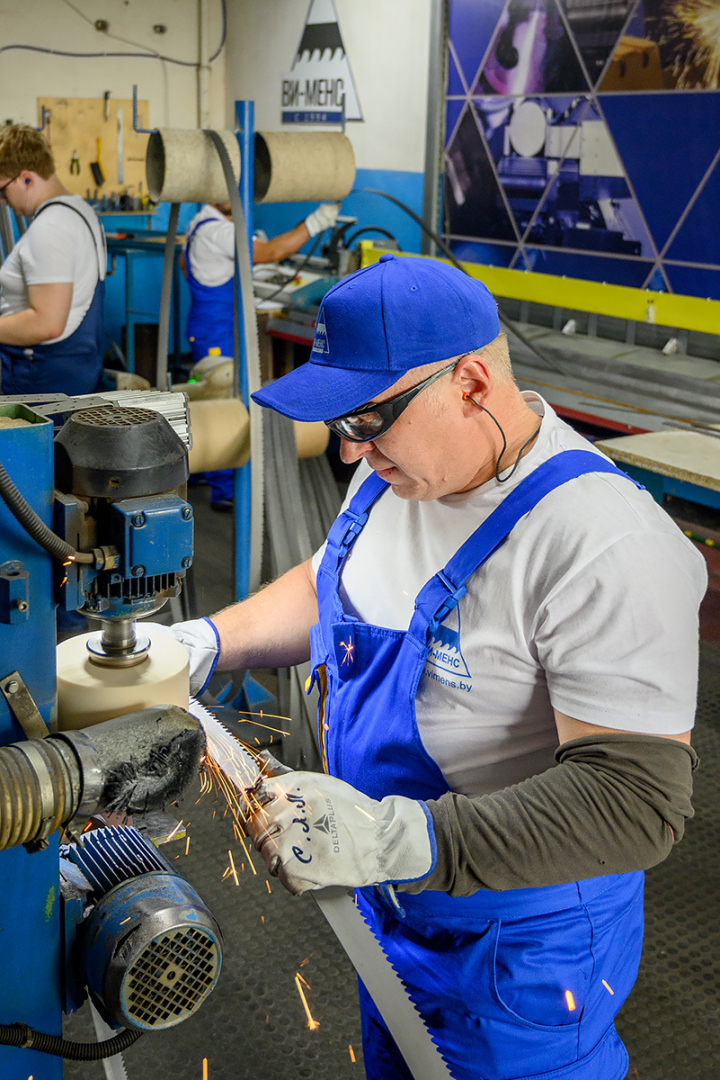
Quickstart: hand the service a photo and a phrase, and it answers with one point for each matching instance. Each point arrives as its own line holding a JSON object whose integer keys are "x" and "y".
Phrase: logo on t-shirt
{"x": 445, "y": 652}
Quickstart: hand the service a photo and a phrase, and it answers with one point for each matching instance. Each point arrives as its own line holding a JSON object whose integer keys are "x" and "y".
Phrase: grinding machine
{"x": 93, "y": 519}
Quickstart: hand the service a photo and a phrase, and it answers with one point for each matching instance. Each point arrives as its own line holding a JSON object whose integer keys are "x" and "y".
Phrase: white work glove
{"x": 323, "y": 218}
{"x": 201, "y": 640}
{"x": 314, "y": 830}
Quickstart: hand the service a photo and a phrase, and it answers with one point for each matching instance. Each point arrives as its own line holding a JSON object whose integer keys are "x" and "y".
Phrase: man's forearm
{"x": 611, "y": 805}
{"x": 271, "y": 628}
{"x": 280, "y": 247}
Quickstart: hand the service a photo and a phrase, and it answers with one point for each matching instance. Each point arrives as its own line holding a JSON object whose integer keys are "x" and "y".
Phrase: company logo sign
{"x": 320, "y": 88}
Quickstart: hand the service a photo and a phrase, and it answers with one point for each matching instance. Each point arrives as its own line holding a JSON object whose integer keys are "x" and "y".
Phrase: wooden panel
{"x": 76, "y": 124}
{"x": 683, "y": 455}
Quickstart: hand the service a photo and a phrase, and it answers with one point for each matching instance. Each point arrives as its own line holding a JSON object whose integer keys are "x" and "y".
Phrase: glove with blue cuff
{"x": 324, "y": 217}
{"x": 314, "y": 830}
{"x": 201, "y": 640}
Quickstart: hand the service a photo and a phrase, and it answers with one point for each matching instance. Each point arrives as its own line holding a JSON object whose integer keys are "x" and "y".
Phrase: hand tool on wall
{"x": 74, "y": 164}
{"x": 96, "y": 166}
{"x": 120, "y": 148}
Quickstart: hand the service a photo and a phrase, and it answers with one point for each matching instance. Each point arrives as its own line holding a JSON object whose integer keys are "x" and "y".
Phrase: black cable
{"x": 372, "y": 228}
{"x": 451, "y": 257}
{"x": 133, "y": 55}
{"x": 223, "y": 35}
{"x": 504, "y": 479}
{"x": 26, "y": 1037}
{"x": 35, "y": 526}
{"x": 299, "y": 270}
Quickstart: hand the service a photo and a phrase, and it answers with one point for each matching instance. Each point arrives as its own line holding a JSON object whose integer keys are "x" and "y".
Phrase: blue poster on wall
{"x": 583, "y": 138}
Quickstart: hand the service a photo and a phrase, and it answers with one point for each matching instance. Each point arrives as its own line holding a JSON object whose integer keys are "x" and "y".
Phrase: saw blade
{"x": 365, "y": 952}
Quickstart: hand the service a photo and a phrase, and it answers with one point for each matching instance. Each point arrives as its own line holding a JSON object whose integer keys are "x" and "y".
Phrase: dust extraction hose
{"x": 132, "y": 764}
{"x": 35, "y": 526}
{"x": 26, "y": 1037}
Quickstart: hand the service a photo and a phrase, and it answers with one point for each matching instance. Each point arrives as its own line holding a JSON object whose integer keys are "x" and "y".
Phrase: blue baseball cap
{"x": 375, "y": 325}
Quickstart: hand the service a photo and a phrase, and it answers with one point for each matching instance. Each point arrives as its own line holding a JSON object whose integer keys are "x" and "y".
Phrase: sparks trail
{"x": 693, "y": 29}
{"x": 312, "y": 1023}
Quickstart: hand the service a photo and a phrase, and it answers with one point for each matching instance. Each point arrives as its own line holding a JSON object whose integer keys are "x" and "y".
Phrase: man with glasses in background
{"x": 503, "y": 629}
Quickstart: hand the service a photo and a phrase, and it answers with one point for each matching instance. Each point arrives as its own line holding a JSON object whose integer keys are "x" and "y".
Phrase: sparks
{"x": 232, "y": 867}
{"x": 693, "y": 30}
{"x": 205, "y": 1069}
{"x": 126, "y": 920}
{"x": 349, "y": 647}
{"x": 570, "y": 1000}
{"x": 268, "y": 886}
{"x": 312, "y": 1023}
{"x": 262, "y": 919}
{"x": 364, "y": 812}
{"x": 352, "y": 1054}
{"x": 303, "y": 981}
{"x": 176, "y": 830}
{"x": 608, "y": 988}
{"x": 187, "y": 845}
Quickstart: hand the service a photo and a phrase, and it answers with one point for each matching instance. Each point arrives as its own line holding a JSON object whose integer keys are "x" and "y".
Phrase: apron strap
{"x": 341, "y": 537}
{"x": 349, "y": 524}
{"x": 59, "y": 202}
{"x": 442, "y": 592}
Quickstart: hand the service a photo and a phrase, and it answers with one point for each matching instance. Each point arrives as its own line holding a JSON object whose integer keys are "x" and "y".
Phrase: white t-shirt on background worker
{"x": 552, "y": 599}
{"x": 58, "y": 247}
{"x": 212, "y": 252}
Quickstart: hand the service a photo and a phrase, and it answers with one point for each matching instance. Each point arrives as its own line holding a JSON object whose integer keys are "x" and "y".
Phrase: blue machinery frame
{"x": 245, "y": 116}
{"x": 30, "y": 932}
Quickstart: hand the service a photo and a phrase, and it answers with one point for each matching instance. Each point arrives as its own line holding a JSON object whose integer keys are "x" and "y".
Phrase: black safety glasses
{"x": 373, "y": 419}
{"x": 5, "y": 186}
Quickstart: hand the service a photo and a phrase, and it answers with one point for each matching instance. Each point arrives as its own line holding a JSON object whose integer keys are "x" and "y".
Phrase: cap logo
{"x": 320, "y": 341}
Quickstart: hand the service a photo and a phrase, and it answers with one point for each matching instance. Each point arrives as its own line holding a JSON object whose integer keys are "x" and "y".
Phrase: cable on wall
{"x": 150, "y": 55}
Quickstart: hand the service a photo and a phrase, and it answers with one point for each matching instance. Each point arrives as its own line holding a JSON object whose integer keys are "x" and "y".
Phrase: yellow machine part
{"x": 642, "y": 305}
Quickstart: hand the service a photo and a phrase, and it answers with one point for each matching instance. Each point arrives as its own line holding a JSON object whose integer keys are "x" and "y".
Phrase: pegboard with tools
{"x": 94, "y": 144}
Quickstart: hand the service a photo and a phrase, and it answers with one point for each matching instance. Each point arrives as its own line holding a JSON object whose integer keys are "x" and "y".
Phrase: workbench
{"x": 681, "y": 463}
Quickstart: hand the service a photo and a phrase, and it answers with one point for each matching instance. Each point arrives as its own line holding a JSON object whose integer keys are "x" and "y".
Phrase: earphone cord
{"x": 504, "y": 479}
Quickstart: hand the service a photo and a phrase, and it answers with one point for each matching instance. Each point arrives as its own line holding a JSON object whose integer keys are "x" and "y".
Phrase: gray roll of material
{"x": 183, "y": 166}
{"x": 302, "y": 166}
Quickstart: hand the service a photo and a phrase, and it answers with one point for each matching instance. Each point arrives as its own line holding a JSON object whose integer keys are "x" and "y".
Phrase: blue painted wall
{"x": 273, "y": 219}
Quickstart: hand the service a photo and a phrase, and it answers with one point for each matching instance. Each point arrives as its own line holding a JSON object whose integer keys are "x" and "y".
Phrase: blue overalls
{"x": 72, "y": 366}
{"x": 210, "y": 326}
{"x": 517, "y": 984}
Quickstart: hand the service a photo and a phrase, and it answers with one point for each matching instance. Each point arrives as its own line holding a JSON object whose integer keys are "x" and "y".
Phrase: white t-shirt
{"x": 589, "y": 607}
{"x": 57, "y": 247}
{"x": 212, "y": 251}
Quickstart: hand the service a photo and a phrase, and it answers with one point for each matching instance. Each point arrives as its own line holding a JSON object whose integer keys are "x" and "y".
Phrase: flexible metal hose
{"x": 26, "y": 1037}
{"x": 40, "y": 787}
{"x": 35, "y": 526}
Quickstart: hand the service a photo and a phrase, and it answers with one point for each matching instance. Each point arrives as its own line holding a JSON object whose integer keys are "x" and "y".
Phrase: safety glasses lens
{"x": 361, "y": 426}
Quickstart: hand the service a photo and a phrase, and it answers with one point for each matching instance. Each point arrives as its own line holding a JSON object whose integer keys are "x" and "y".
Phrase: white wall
{"x": 171, "y": 90}
{"x": 387, "y": 48}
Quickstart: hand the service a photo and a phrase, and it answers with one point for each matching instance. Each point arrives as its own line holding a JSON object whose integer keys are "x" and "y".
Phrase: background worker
{"x": 507, "y": 656}
{"x": 208, "y": 263}
{"x": 53, "y": 281}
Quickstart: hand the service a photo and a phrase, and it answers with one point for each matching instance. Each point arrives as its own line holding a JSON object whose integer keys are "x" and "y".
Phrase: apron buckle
{"x": 456, "y": 594}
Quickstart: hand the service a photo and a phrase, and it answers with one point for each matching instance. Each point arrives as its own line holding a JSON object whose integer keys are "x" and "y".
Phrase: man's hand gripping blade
{"x": 404, "y": 1022}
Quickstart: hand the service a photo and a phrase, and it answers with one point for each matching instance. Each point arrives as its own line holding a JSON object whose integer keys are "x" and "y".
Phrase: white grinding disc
{"x": 89, "y": 693}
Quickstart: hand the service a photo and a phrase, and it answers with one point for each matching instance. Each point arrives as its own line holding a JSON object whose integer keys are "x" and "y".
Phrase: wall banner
{"x": 320, "y": 87}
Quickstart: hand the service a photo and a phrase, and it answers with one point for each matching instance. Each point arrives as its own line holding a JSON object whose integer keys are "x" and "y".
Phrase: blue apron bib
{"x": 72, "y": 366}
{"x": 210, "y": 320}
{"x": 513, "y": 985}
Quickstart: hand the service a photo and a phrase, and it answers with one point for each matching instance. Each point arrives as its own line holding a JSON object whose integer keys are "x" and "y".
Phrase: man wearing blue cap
{"x": 503, "y": 629}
